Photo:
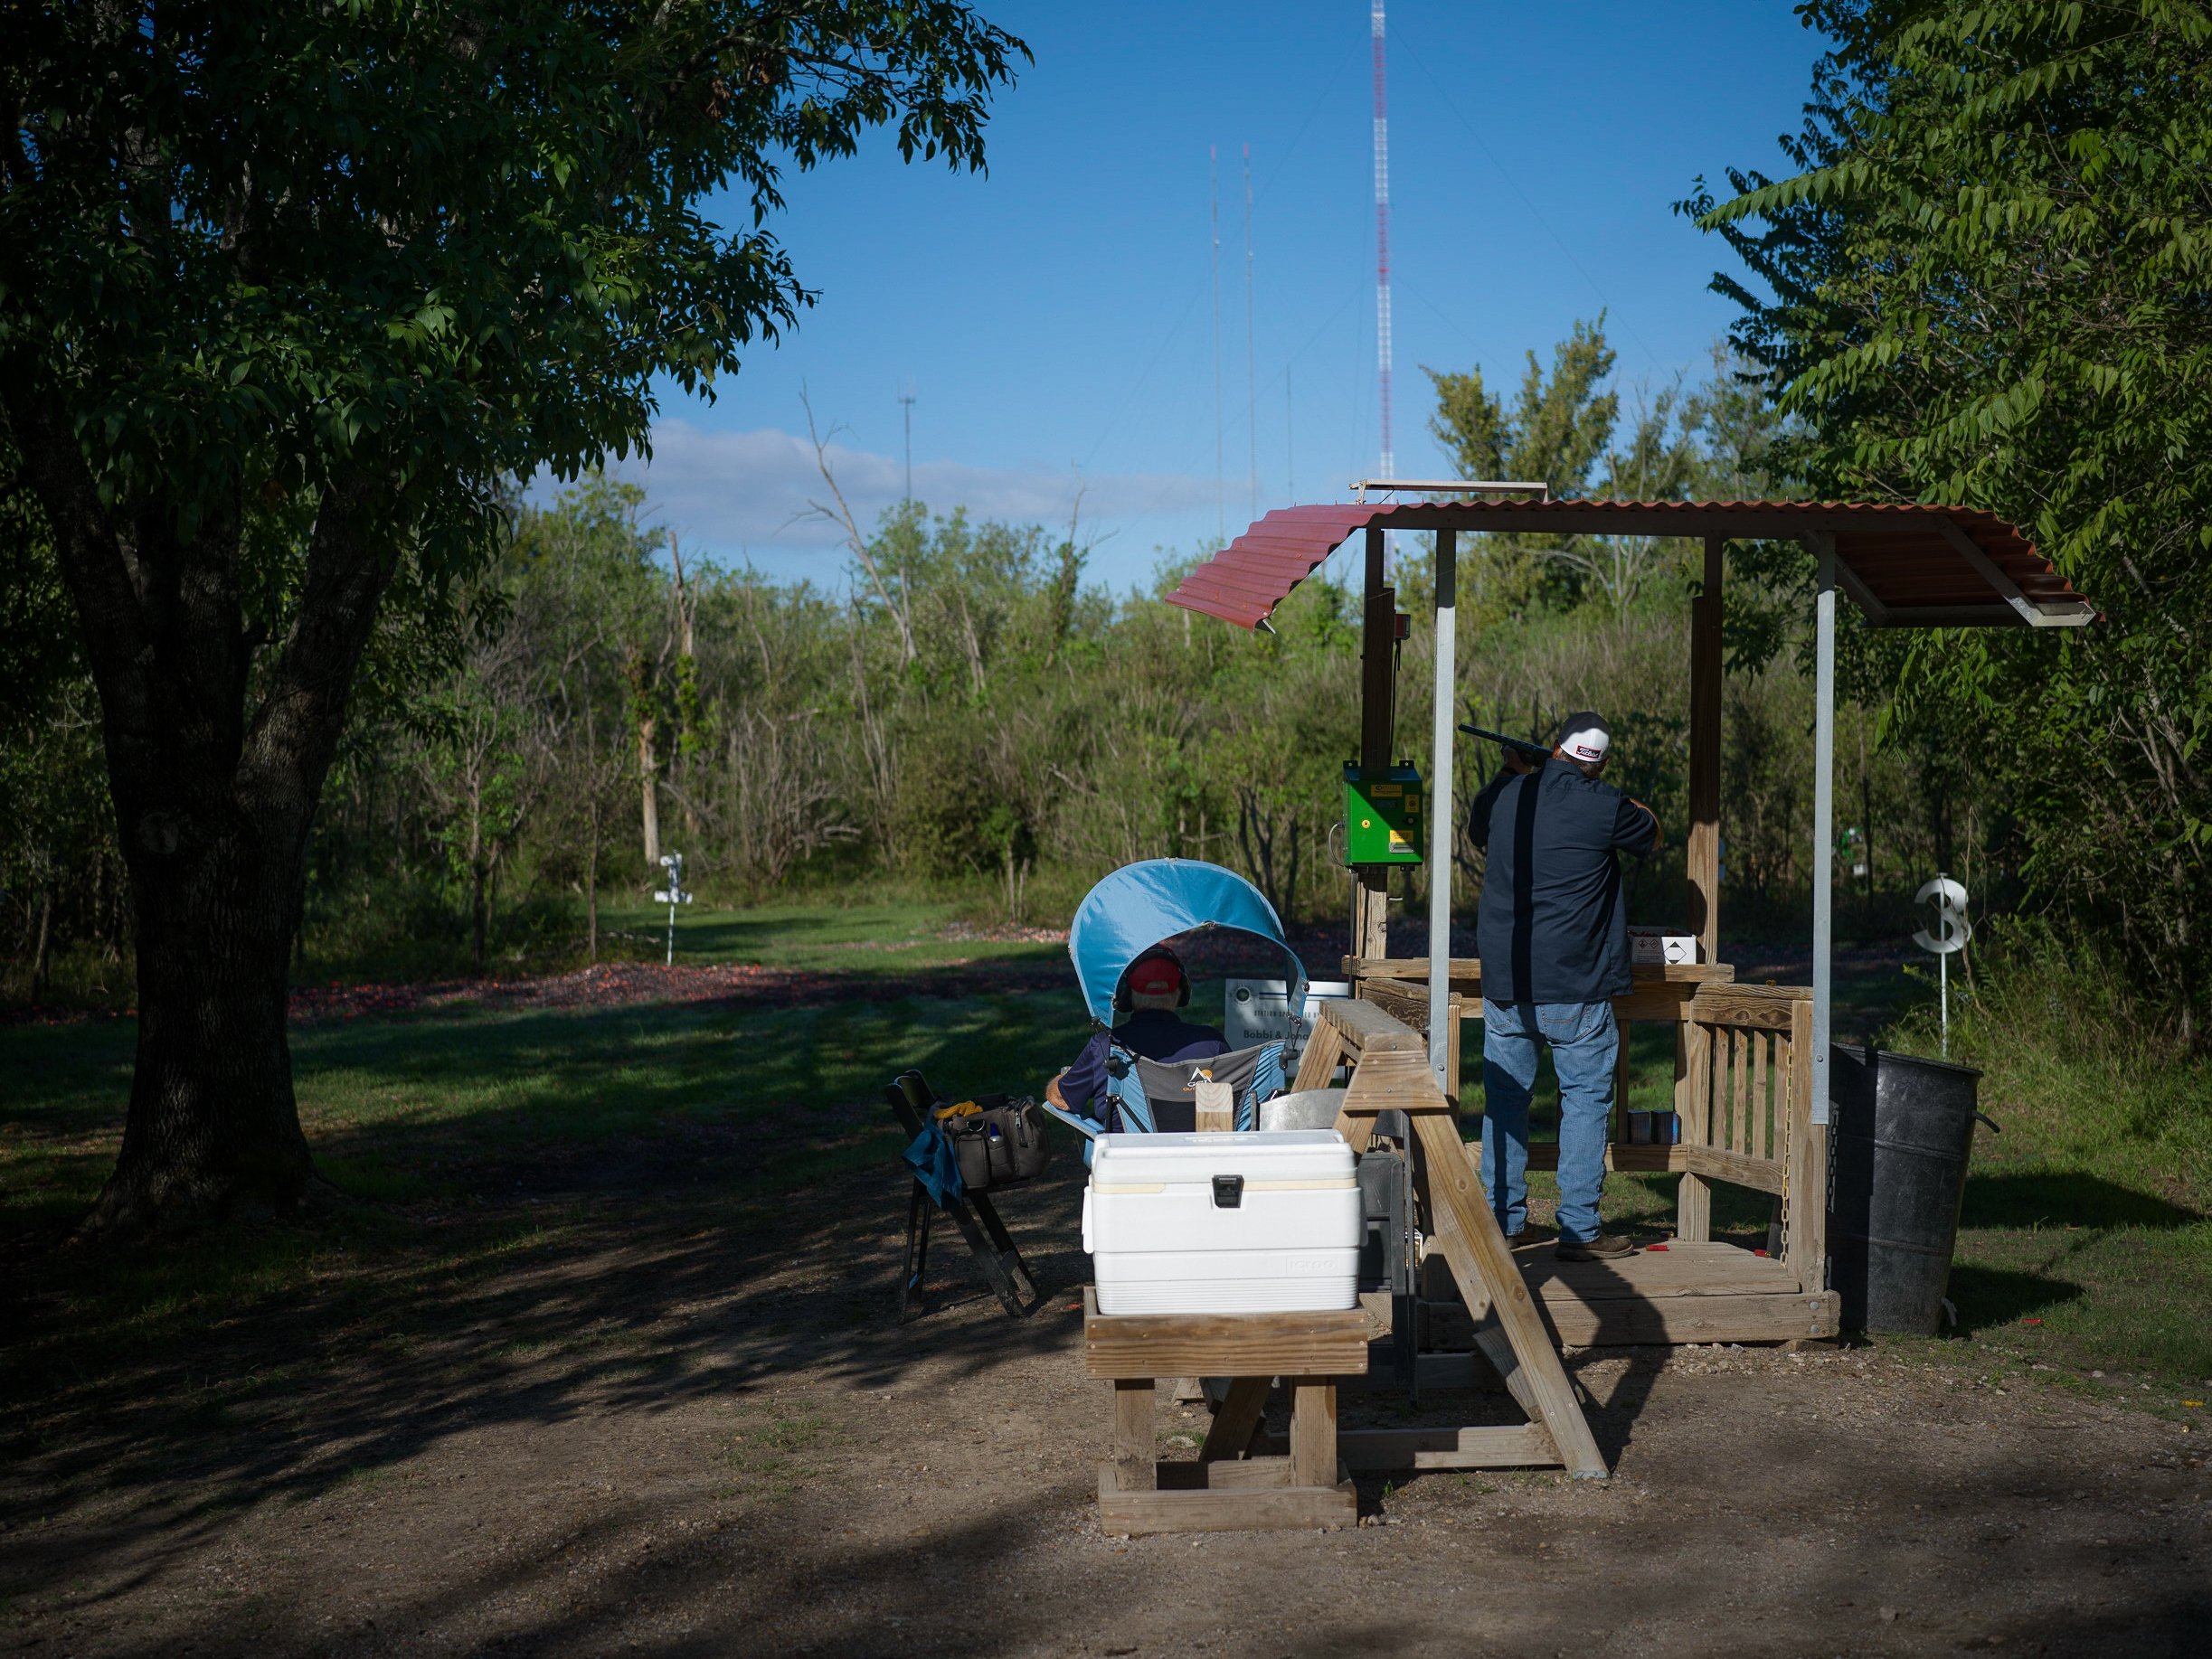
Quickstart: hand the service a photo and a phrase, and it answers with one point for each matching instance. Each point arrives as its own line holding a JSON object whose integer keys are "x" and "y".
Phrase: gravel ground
{"x": 690, "y": 1434}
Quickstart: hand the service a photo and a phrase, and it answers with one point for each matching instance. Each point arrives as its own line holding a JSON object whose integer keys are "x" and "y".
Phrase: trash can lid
{"x": 1874, "y": 1056}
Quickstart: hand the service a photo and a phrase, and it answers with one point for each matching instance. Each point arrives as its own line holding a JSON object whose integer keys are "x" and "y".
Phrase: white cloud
{"x": 740, "y": 492}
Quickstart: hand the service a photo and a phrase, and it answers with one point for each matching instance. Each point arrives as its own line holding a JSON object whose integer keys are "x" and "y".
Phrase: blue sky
{"x": 1055, "y": 320}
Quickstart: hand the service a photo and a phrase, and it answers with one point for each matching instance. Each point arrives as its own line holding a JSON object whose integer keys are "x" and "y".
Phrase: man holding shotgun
{"x": 1552, "y": 934}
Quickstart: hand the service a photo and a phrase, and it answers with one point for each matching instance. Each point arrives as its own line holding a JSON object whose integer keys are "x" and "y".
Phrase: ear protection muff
{"x": 1122, "y": 1005}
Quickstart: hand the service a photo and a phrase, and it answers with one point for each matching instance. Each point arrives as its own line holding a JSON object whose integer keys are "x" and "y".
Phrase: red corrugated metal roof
{"x": 1906, "y": 566}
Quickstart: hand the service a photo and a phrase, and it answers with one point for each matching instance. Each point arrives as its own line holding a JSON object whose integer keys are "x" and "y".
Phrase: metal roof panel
{"x": 1903, "y": 556}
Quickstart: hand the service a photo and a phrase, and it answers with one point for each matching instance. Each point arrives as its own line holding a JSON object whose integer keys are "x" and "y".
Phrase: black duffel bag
{"x": 998, "y": 1144}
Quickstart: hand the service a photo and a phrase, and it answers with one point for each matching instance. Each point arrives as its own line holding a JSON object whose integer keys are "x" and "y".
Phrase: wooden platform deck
{"x": 1743, "y": 1115}
{"x": 1688, "y": 1292}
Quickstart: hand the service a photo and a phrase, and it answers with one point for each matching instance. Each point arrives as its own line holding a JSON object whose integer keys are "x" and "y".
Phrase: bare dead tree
{"x": 899, "y": 603}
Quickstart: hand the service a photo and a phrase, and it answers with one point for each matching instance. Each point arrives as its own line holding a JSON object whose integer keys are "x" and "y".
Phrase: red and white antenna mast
{"x": 1381, "y": 240}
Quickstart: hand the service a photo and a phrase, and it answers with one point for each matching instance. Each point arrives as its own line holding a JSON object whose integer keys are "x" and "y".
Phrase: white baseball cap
{"x": 1585, "y": 737}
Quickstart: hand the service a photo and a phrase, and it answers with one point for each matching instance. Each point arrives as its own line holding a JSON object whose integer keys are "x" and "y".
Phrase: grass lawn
{"x": 2084, "y": 1242}
{"x": 858, "y": 939}
{"x": 481, "y": 1138}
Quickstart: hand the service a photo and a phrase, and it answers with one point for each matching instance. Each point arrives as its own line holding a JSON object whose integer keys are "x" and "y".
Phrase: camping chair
{"x": 1129, "y": 911}
{"x": 1160, "y": 1096}
{"x": 912, "y": 1102}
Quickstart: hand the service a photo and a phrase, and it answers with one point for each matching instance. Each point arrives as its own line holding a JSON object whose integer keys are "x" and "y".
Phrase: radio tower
{"x": 1382, "y": 240}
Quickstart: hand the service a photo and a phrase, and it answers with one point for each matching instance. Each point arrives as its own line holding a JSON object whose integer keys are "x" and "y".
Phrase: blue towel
{"x": 935, "y": 1166}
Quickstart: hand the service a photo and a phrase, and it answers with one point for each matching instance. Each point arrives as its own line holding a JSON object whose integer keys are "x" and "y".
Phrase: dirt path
{"x": 738, "y": 984}
{"x": 698, "y": 1433}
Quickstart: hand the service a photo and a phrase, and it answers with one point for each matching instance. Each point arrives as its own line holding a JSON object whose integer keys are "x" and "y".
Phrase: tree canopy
{"x": 288, "y": 296}
{"x": 1989, "y": 281}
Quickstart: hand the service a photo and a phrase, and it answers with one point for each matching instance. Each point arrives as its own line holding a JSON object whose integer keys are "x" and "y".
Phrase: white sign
{"x": 672, "y": 895}
{"x": 1259, "y": 1011}
{"x": 1952, "y": 927}
{"x": 1649, "y": 945}
{"x": 1951, "y": 933}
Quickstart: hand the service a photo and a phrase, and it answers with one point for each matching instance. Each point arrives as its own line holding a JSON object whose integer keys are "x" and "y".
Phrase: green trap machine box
{"x": 1382, "y": 815}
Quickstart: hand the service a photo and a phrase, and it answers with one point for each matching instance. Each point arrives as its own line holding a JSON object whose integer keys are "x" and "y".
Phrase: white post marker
{"x": 1440, "y": 808}
{"x": 672, "y": 895}
{"x": 1951, "y": 932}
{"x": 1823, "y": 816}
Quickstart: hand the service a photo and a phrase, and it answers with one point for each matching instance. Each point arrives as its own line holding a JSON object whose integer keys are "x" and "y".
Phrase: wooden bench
{"x": 1226, "y": 1488}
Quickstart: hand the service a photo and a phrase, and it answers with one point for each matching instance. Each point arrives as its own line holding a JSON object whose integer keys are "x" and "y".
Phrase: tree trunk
{"x": 648, "y": 771}
{"x": 42, "y": 958}
{"x": 213, "y": 795}
{"x": 590, "y": 891}
{"x": 686, "y": 697}
{"x": 213, "y": 1127}
{"x": 476, "y": 917}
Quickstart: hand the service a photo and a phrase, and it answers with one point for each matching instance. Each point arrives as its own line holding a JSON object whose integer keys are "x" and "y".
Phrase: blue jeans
{"x": 1585, "y": 1044}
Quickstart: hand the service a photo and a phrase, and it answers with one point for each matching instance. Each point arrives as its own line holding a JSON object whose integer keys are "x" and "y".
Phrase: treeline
{"x": 965, "y": 712}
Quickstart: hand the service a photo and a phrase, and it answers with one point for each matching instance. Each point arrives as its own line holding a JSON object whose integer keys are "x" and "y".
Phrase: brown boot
{"x": 1528, "y": 1235}
{"x": 1602, "y": 1247}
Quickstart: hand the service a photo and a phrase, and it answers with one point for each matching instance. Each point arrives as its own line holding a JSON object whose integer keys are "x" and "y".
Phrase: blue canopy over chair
{"x": 1143, "y": 904}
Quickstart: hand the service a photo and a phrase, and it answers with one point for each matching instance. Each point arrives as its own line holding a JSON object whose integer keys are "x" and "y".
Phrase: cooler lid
{"x": 1270, "y": 1155}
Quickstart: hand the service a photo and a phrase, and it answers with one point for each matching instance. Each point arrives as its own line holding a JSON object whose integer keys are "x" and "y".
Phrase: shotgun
{"x": 1535, "y": 752}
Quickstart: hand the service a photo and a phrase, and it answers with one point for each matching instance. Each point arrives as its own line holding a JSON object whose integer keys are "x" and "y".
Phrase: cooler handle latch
{"x": 1228, "y": 1192}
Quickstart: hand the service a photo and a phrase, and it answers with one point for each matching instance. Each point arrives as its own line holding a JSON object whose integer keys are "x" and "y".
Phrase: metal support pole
{"x": 1378, "y": 651}
{"x": 1440, "y": 808}
{"x": 1823, "y": 817}
{"x": 1943, "y": 974}
{"x": 1703, "y": 852}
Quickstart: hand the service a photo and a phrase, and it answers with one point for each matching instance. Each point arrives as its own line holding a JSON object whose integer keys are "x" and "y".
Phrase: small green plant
{"x": 766, "y": 1452}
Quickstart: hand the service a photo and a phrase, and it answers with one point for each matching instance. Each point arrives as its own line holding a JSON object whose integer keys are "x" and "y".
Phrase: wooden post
{"x": 1377, "y": 647}
{"x": 1313, "y": 1432}
{"x": 1693, "y": 1111}
{"x": 1451, "y": 1050}
{"x": 1136, "y": 1452}
{"x": 1805, "y": 1220}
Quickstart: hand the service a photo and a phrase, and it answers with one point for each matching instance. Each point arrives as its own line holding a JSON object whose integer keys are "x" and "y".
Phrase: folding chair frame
{"x": 912, "y": 1100}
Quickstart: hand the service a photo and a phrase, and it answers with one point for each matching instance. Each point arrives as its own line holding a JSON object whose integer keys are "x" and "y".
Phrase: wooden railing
{"x": 1743, "y": 1097}
{"x": 1744, "y": 1102}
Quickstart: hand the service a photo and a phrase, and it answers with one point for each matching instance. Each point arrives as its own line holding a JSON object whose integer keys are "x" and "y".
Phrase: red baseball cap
{"x": 1158, "y": 972}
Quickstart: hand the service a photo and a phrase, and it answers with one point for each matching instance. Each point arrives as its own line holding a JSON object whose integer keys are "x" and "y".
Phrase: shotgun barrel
{"x": 1535, "y": 752}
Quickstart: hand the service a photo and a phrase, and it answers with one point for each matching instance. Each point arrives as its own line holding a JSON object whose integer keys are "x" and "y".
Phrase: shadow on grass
{"x": 465, "y": 1104}
{"x": 2060, "y": 1198}
{"x": 1989, "y": 1297}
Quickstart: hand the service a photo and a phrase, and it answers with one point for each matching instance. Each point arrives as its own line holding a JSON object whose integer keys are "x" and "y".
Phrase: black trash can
{"x": 1901, "y": 1130}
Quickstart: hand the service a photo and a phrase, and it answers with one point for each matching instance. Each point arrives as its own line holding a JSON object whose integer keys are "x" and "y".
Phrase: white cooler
{"x": 1265, "y": 1221}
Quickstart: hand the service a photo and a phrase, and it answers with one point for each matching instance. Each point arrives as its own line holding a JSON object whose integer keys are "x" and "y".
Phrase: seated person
{"x": 1152, "y": 988}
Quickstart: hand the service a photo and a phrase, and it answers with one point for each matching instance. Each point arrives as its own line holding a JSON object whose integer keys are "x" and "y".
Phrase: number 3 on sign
{"x": 1951, "y": 932}
{"x": 1952, "y": 927}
